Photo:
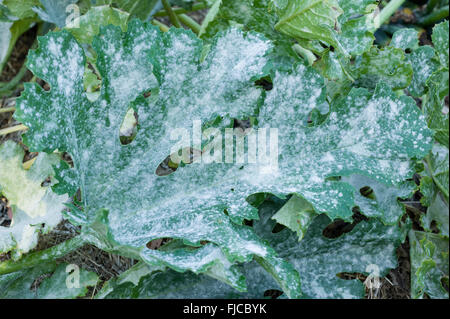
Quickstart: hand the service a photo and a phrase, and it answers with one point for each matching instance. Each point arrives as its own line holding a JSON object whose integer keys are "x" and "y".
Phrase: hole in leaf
{"x": 444, "y": 283}
{"x": 92, "y": 82}
{"x": 272, "y": 293}
{"x": 277, "y": 228}
{"x": 168, "y": 166}
{"x": 337, "y": 228}
{"x": 29, "y": 156}
{"x": 265, "y": 83}
{"x": 225, "y": 211}
{"x": 43, "y": 84}
{"x": 128, "y": 129}
{"x": 157, "y": 243}
{"x": 5, "y": 213}
{"x": 408, "y": 50}
{"x": 248, "y": 222}
{"x": 367, "y": 191}
{"x": 351, "y": 276}
{"x": 416, "y": 178}
{"x": 67, "y": 158}
{"x": 340, "y": 227}
{"x": 46, "y": 182}
{"x": 242, "y": 124}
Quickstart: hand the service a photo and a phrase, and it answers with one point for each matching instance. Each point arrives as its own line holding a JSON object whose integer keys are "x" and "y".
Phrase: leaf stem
{"x": 431, "y": 5}
{"x": 8, "y": 109}
{"x": 189, "y": 22}
{"x": 173, "y": 17}
{"x": 434, "y": 17}
{"x": 161, "y": 25}
{"x": 195, "y": 7}
{"x": 42, "y": 256}
{"x": 13, "y": 129}
{"x": 304, "y": 53}
{"x": 387, "y": 12}
{"x": 15, "y": 80}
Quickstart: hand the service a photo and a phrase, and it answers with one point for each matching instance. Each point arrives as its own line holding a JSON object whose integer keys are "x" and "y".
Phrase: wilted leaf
{"x": 429, "y": 264}
{"x": 35, "y": 207}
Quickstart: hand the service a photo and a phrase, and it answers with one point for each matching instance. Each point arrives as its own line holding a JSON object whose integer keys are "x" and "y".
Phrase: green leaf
{"x": 22, "y": 9}
{"x": 405, "y": 38}
{"x": 317, "y": 259}
{"x": 208, "y": 258}
{"x": 5, "y": 14}
{"x": 309, "y": 19}
{"x": 251, "y": 15}
{"x": 440, "y": 42}
{"x": 357, "y": 25}
{"x": 435, "y": 190}
{"x": 121, "y": 285}
{"x": 344, "y": 24}
{"x": 88, "y": 25}
{"x": 422, "y": 59}
{"x": 429, "y": 264}
{"x": 33, "y": 205}
{"x": 424, "y": 65}
{"x": 56, "y": 285}
{"x": 438, "y": 85}
{"x": 297, "y": 214}
{"x": 142, "y": 9}
{"x": 433, "y": 106}
{"x": 9, "y": 33}
{"x": 387, "y": 65}
{"x": 383, "y": 202}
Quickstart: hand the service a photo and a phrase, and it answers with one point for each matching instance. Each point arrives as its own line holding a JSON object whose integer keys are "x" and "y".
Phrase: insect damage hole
{"x": 277, "y": 228}
{"x": 367, "y": 191}
{"x": 171, "y": 162}
{"x": 92, "y": 82}
{"x": 272, "y": 293}
{"x": 129, "y": 127}
{"x": 5, "y": 213}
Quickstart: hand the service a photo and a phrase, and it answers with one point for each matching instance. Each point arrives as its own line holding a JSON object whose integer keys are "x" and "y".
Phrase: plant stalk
{"x": 15, "y": 80}
{"x": 304, "y": 53}
{"x": 173, "y": 17}
{"x": 8, "y": 109}
{"x": 387, "y": 12}
{"x": 161, "y": 25}
{"x": 431, "y": 5}
{"x": 195, "y": 7}
{"x": 13, "y": 129}
{"x": 434, "y": 17}
{"x": 189, "y": 22}
{"x": 42, "y": 256}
